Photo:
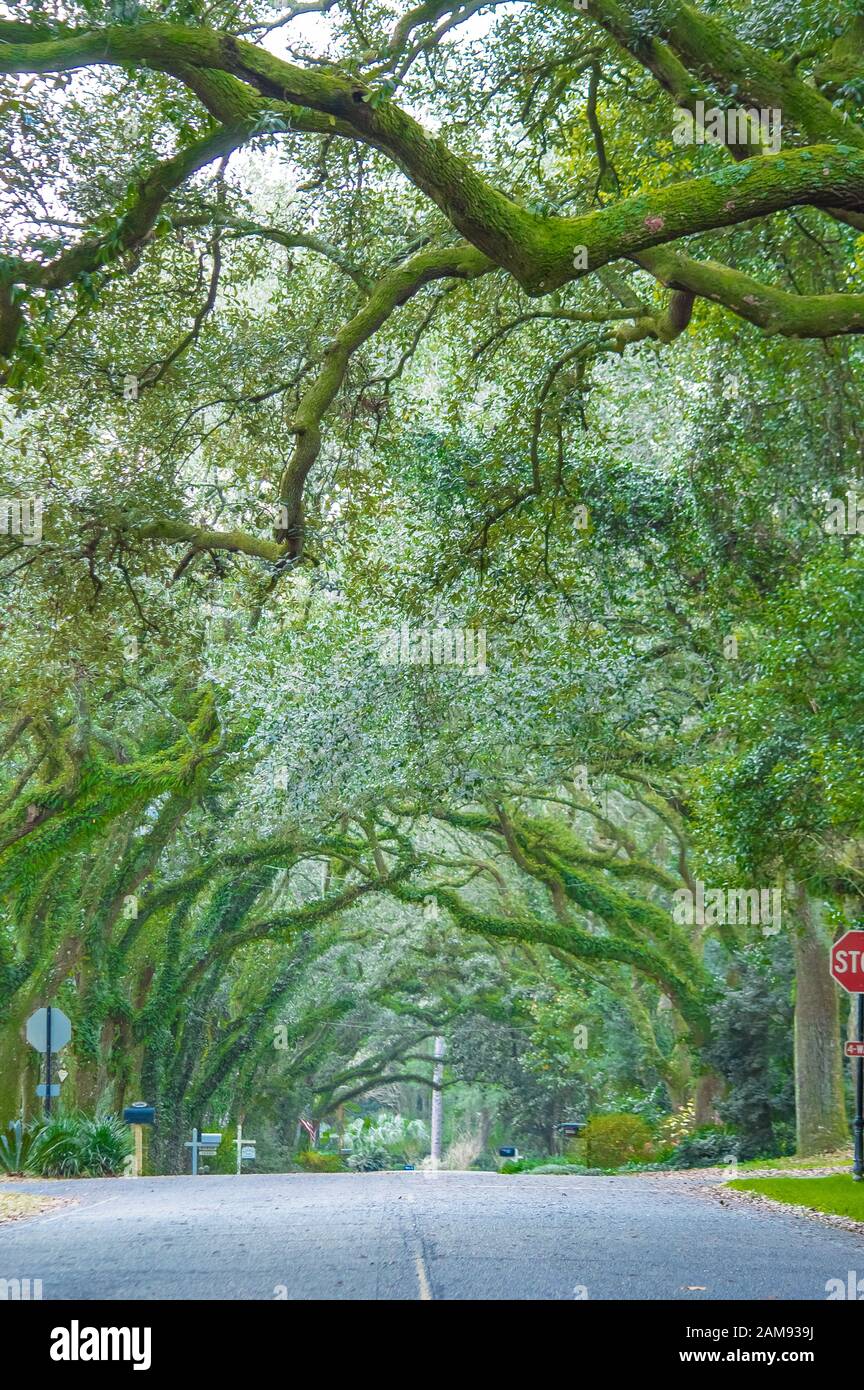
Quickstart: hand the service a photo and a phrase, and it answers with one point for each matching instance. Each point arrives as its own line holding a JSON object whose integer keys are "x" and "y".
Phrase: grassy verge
{"x": 832, "y": 1160}
{"x": 838, "y": 1195}
{"x": 14, "y": 1205}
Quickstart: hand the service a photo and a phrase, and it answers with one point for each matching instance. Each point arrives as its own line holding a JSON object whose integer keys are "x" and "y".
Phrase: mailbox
{"x": 507, "y": 1152}
{"x": 571, "y": 1129}
{"x": 210, "y": 1141}
{"x": 139, "y": 1114}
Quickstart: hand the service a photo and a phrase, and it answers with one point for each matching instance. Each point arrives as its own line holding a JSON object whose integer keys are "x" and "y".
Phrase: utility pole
{"x": 437, "y": 1102}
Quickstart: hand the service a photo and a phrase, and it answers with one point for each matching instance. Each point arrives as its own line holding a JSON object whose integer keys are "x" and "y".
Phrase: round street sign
{"x": 847, "y": 961}
{"x": 61, "y": 1029}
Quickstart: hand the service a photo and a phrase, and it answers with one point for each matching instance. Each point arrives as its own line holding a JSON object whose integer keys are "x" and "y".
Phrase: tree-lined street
{"x": 431, "y": 579}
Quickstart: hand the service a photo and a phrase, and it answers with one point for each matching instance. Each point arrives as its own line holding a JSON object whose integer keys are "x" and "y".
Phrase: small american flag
{"x": 311, "y": 1129}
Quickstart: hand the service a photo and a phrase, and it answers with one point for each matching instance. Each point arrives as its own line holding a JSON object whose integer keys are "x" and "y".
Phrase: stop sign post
{"x": 48, "y": 1030}
{"x": 847, "y": 968}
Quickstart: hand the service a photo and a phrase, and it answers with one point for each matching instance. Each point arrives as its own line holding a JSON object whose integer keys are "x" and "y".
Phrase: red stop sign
{"x": 847, "y": 961}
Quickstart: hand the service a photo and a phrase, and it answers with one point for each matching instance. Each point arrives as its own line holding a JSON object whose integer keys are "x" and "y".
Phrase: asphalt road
{"x": 412, "y": 1236}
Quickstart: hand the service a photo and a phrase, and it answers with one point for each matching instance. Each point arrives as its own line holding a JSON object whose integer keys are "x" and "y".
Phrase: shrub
{"x": 662, "y": 1156}
{"x": 785, "y": 1141}
{"x": 610, "y": 1140}
{"x": 675, "y": 1128}
{"x": 485, "y": 1163}
{"x": 314, "y": 1162}
{"x": 372, "y": 1158}
{"x": 462, "y": 1152}
{"x": 57, "y": 1148}
{"x": 552, "y": 1167}
{"x": 403, "y": 1140}
{"x": 18, "y": 1148}
{"x": 752, "y": 1047}
{"x": 653, "y": 1107}
{"x": 706, "y": 1147}
{"x": 76, "y": 1146}
{"x": 105, "y": 1142}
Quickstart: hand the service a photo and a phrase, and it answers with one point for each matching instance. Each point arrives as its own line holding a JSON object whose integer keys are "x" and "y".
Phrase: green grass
{"x": 832, "y": 1160}
{"x": 839, "y": 1195}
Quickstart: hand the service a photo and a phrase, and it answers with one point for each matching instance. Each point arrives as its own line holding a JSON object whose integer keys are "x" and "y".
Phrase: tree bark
{"x": 820, "y": 1109}
{"x": 709, "y": 1086}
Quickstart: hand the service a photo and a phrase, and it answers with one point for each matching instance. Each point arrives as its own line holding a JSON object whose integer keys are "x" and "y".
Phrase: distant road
{"x": 409, "y": 1236}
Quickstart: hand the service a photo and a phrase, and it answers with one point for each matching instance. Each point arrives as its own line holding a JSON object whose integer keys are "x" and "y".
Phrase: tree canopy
{"x": 429, "y": 425}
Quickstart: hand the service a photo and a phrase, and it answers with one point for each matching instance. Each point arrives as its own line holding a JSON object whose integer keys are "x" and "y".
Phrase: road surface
{"x": 415, "y": 1236}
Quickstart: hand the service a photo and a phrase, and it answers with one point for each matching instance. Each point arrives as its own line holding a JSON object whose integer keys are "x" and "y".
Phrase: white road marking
{"x": 75, "y": 1210}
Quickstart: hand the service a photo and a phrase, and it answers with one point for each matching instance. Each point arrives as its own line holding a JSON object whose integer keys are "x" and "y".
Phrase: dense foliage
{"x": 438, "y": 468}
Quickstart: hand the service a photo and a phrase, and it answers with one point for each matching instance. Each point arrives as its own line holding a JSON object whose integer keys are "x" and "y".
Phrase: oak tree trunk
{"x": 820, "y": 1108}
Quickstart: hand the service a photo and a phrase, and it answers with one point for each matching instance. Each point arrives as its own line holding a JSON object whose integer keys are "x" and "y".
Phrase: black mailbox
{"x": 139, "y": 1114}
{"x": 507, "y": 1152}
{"x": 571, "y": 1129}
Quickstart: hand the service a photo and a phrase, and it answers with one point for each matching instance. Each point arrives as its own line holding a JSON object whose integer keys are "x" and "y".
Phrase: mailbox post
{"x": 245, "y": 1148}
{"x": 570, "y": 1129}
{"x": 202, "y": 1143}
{"x": 194, "y": 1147}
{"x": 138, "y": 1115}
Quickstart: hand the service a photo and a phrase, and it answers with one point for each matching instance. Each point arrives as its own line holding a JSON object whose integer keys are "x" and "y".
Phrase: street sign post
{"x": 847, "y": 968}
{"x": 858, "y": 1167}
{"x": 48, "y": 1030}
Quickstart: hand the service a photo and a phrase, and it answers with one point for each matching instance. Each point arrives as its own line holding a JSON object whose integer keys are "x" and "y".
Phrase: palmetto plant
{"x": 17, "y": 1148}
{"x": 66, "y": 1146}
{"x": 75, "y": 1145}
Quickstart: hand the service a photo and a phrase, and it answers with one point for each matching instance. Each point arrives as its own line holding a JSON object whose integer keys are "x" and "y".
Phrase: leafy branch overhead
{"x": 211, "y": 92}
